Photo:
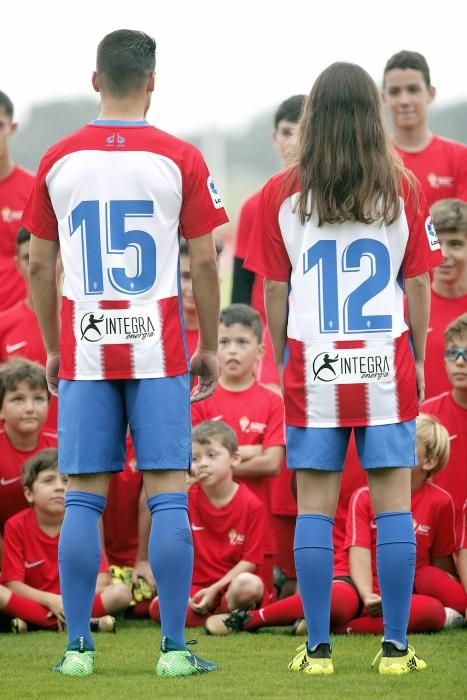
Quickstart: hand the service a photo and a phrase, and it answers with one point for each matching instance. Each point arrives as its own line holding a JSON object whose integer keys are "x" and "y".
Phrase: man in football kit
{"x": 337, "y": 247}
{"x": 439, "y": 164}
{"x": 15, "y": 186}
{"x": 114, "y": 196}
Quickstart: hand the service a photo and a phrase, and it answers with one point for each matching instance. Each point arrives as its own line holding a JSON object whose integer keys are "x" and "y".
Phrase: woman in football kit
{"x": 339, "y": 237}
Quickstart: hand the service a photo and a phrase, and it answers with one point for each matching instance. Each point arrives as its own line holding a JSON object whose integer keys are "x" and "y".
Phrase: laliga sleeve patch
{"x": 431, "y": 234}
{"x": 215, "y": 196}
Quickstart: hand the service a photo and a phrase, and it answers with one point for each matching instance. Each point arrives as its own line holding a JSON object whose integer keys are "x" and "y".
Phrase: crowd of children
{"x": 242, "y": 505}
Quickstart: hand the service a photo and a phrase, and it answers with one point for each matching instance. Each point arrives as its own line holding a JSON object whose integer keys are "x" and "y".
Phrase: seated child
{"x": 462, "y": 555}
{"x": 30, "y": 560}
{"x": 24, "y": 402}
{"x": 433, "y": 516}
{"x": 227, "y": 523}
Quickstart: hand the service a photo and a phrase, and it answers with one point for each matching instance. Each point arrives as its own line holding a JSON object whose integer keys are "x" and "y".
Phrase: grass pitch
{"x": 252, "y": 666}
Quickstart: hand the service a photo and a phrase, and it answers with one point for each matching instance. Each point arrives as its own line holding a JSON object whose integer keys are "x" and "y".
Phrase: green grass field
{"x": 252, "y": 666}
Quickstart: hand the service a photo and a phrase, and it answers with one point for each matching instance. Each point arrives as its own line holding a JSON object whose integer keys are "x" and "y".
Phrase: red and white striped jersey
{"x": 350, "y": 362}
{"x": 117, "y": 194}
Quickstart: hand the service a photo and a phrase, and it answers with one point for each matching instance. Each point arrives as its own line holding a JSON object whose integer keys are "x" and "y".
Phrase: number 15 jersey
{"x": 116, "y": 194}
{"x": 350, "y": 361}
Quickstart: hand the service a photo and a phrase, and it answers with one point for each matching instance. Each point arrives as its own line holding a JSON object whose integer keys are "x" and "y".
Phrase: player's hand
{"x": 142, "y": 568}
{"x": 203, "y": 600}
{"x": 55, "y": 605}
{"x": 420, "y": 378}
{"x": 204, "y": 365}
{"x": 373, "y": 605}
{"x": 51, "y": 371}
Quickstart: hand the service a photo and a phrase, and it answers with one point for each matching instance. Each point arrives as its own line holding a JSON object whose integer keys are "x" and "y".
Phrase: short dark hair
{"x": 22, "y": 236}
{"x": 19, "y": 370}
{"x": 184, "y": 246}
{"x": 45, "y": 459}
{"x": 204, "y": 432}
{"x": 290, "y": 110}
{"x": 245, "y": 315}
{"x": 409, "y": 59}
{"x": 449, "y": 215}
{"x": 7, "y": 104}
{"x": 125, "y": 59}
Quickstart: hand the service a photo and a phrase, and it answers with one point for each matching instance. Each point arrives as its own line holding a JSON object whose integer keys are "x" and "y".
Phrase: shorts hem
{"x": 320, "y": 468}
{"x": 150, "y": 466}
{"x": 77, "y": 471}
{"x": 300, "y": 423}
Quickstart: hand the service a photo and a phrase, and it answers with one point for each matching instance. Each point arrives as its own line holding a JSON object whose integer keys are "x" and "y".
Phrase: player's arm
{"x": 204, "y": 599}
{"x": 52, "y": 601}
{"x": 249, "y": 451}
{"x": 205, "y": 281}
{"x": 142, "y": 567}
{"x": 362, "y": 576}
{"x": 417, "y": 290}
{"x": 266, "y": 464}
{"x": 43, "y": 281}
{"x": 276, "y": 296}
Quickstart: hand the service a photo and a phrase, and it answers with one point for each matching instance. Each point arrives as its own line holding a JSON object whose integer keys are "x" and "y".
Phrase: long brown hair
{"x": 345, "y": 157}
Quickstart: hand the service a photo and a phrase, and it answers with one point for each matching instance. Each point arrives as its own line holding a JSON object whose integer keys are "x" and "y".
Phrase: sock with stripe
{"x": 171, "y": 559}
{"x": 79, "y": 557}
{"x": 395, "y": 562}
{"x": 314, "y": 561}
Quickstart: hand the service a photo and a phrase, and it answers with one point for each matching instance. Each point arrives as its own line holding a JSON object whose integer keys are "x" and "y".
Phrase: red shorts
{"x": 284, "y": 529}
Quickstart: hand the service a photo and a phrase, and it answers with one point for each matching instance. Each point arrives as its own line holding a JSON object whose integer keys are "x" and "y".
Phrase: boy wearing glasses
{"x": 450, "y": 408}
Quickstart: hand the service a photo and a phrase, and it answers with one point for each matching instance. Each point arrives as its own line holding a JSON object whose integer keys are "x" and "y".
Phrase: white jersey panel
{"x": 118, "y": 213}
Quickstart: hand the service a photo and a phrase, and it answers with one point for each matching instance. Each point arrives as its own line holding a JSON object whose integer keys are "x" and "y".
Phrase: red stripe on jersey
{"x": 352, "y": 399}
{"x": 295, "y": 380}
{"x": 173, "y": 346}
{"x": 404, "y": 367}
{"x": 117, "y": 360}
{"x": 68, "y": 340}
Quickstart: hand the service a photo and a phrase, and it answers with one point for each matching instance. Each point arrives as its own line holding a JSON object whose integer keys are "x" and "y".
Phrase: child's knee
{"x": 245, "y": 591}
{"x": 121, "y": 596}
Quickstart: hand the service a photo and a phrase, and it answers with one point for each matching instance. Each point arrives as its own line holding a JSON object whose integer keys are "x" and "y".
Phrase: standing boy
{"x": 438, "y": 163}
{"x": 113, "y": 196}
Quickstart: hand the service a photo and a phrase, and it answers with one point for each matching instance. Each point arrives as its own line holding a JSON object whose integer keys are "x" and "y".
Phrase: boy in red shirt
{"x": 227, "y": 523}
{"x": 433, "y": 516}
{"x": 438, "y": 163}
{"x": 450, "y": 408}
{"x": 15, "y": 186}
{"x": 24, "y": 402}
{"x": 19, "y": 329}
{"x": 448, "y": 289}
{"x": 30, "y": 561}
{"x": 255, "y": 412}
{"x": 462, "y": 553}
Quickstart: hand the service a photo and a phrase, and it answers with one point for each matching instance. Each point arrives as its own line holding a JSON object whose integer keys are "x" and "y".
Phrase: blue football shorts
{"x": 377, "y": 446}
{"x": 93, "y": 417}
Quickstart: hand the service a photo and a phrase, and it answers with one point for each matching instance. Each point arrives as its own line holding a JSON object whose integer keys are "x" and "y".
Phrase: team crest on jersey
{"x": 437, "y": 181}
{"x": 215, "y": 196}
{"x": 421, "y": 529}
{"x": 351, "y": 366}
{"x": 431, "y": 234}
{"x": 9, "y": 215}
{"x": 116, "y": 326}
{"x": 235, "y": 538}
{"x": 247, "y": 426}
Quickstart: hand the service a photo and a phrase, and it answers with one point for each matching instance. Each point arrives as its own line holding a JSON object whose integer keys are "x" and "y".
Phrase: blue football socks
{"x": 314, "y": 562}
{"x": 171, "y": 559}
{"x": 79, "y": 556}
{"x": 395, "y": 561}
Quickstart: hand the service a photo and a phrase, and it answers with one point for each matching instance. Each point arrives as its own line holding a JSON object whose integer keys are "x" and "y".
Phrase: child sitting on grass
{"x": 30, "y": 558}
{"x": 227, "y": 522}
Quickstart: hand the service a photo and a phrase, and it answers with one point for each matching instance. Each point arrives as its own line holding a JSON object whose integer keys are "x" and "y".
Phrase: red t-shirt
{"x": 244, "y": 226}
{"x": 30, "y": 555}
{"x": 20, "y": 335}
{"x": 440, "y": 167}
{"x": 434, "y": 523}
{"x": 14, "y": 193}
{"x": 443, "y": 311}
{"x": 453, "y": 477}
{"x": 192, "y": 337}
{"x": 224, "y": 536}
{"x": 257, "y": 416}
{"x": 120, "y": 517}
{"x": 12, "y": 497}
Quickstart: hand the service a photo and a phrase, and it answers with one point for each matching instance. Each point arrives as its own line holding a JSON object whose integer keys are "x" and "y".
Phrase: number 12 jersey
{"x": 117, "y": 194}
{"x": 350, "y": 361}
